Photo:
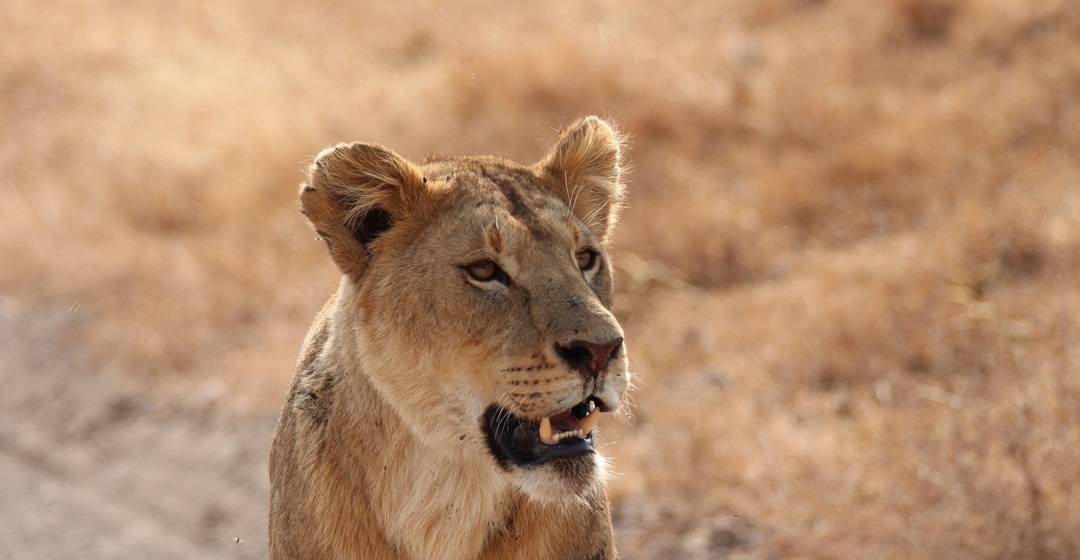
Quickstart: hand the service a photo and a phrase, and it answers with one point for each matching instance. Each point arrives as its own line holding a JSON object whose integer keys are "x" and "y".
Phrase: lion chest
{"x": 439, "y": 507}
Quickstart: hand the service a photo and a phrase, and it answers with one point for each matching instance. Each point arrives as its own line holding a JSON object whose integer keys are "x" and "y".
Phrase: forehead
{"x": 505, "y": 193}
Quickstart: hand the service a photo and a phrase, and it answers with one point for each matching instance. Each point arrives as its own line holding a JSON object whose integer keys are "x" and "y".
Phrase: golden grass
{"x": 848, "y": 269}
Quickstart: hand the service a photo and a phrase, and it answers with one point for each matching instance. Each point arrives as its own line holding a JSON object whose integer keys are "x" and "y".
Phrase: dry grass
{"x": 848, "y": 269}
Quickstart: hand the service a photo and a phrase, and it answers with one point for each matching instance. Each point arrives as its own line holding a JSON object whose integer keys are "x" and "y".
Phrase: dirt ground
{"x": 95, "y": 468}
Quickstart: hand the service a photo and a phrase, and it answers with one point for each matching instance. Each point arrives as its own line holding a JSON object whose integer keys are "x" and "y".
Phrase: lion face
{"x": 483, "y": 298}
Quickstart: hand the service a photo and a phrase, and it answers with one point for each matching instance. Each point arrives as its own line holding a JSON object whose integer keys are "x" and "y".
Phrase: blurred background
{"x": 848, "y": 269}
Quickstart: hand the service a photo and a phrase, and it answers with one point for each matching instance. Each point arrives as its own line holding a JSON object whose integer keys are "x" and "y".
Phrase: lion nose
{"x": 588, "y": 357}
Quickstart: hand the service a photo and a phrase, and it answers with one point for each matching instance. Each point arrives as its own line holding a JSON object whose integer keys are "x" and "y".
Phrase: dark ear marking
{"x": 354, "y": 193}
{"x": 373, "y": 223}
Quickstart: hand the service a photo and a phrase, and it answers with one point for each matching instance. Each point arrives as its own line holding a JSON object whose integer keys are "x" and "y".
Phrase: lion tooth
{"x": 545, "y": 432}
{"x": 587, "y": 424}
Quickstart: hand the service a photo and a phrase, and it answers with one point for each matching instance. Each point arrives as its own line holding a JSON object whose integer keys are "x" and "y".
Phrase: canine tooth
{"x": 545, "y": 432}
{"x": 587, "y": 424}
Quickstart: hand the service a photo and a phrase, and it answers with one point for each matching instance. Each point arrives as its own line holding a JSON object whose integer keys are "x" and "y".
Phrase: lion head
{"x": 482, "y": 297}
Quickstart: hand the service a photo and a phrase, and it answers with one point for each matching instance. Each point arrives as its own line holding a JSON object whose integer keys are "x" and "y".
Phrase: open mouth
{"x": 523, "y": 442}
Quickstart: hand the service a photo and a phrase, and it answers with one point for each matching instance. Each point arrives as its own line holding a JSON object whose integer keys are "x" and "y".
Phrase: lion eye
{"x": 487, "y": 271}
{"x": 586, "y": 259}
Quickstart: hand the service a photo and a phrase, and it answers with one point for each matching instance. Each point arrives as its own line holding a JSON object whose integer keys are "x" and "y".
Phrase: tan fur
{"x": 379, "y": 451}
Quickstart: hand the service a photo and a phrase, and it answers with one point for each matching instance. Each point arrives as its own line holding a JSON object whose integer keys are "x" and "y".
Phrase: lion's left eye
{"x": 587, "y": 259}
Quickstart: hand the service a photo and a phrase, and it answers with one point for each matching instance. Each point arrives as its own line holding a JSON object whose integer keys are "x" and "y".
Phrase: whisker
{"x": 595, "y": 214}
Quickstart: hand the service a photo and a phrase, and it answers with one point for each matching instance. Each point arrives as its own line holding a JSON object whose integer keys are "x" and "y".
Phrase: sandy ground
{"x": 91, "y": 468}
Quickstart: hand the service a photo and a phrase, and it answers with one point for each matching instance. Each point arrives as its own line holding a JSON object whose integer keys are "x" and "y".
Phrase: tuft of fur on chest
{"x": 450, "y": 507}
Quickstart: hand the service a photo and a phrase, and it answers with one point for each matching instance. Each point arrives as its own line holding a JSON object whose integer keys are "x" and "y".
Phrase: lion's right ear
{"x": 354, "y": 193}
{"x": 585, "y": 169}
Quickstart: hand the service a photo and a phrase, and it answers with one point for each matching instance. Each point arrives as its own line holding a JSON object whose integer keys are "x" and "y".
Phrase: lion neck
{"x": 433, "y": 501}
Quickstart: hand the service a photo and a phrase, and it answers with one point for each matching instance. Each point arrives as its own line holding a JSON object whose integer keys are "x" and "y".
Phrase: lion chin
{"x": 564, "y": 482}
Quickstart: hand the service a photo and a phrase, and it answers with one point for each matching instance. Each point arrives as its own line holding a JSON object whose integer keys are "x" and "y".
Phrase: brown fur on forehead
{"x": 503, "y": 183}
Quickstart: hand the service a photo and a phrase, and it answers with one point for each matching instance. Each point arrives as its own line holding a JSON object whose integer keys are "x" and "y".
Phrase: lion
{"x": 446, "y": 398}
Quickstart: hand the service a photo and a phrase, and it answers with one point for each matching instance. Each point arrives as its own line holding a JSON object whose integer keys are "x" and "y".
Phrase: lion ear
{"x": 356, "y": 192}
{"x": 585, "y": 170}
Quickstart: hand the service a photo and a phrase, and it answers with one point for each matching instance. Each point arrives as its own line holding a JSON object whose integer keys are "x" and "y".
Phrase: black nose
{"x": 589, "y": 357}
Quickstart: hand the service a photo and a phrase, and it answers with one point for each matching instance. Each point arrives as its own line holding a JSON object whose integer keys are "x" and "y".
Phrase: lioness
{"x": 446, "y": 398}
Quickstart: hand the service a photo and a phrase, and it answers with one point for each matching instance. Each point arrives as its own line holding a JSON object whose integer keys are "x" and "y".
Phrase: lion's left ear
{"x": 584, "y": 169}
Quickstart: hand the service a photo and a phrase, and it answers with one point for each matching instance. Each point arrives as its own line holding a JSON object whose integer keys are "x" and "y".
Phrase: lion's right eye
{"x": 586, "y": 259}
{"x": 487, "y": 271}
